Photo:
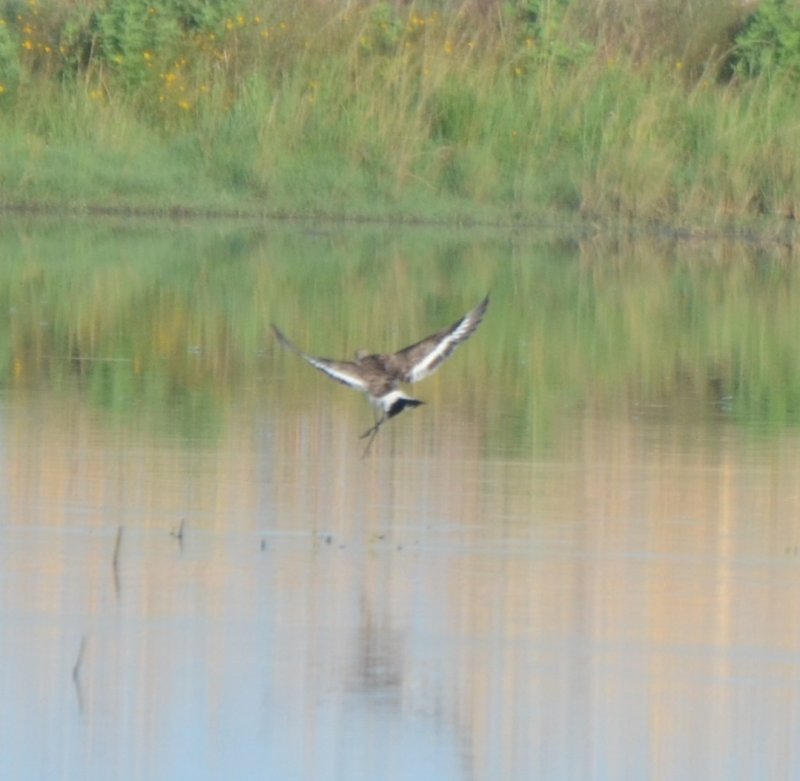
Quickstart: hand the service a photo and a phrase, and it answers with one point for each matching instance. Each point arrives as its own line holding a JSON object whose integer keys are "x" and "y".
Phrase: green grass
{"x": 393, "y": 113}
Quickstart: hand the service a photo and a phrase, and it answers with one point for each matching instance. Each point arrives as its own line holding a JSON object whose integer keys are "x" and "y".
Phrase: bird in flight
{"x": 379, "y": 375}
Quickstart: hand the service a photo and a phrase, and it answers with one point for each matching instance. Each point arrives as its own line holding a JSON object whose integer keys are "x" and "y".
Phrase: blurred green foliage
{"x": 174, "y": 317}
{"x": 769, "y": 41}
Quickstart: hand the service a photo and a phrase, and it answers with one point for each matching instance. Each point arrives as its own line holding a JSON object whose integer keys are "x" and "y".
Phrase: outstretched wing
{"x": 423, "y": 358}
{"x": 341, "y": 371}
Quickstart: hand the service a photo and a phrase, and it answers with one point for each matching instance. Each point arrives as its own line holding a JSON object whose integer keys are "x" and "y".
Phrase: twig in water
{"x": 76, "y": 673}
{"x": 76, "y": 670}
{"x": 178, "y": 533}
{"x": 115, "y": 560}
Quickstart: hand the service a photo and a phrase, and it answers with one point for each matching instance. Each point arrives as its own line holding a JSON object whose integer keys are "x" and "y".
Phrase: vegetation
{"x": 461, "y": 111}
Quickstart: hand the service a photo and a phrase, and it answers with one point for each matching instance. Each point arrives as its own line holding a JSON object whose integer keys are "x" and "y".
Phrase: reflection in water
{"x": 582, "y": 563}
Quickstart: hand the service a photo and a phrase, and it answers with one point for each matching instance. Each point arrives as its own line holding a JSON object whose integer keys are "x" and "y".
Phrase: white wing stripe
{"x": 420, "y": 370}
{"x": 353, "y": 380}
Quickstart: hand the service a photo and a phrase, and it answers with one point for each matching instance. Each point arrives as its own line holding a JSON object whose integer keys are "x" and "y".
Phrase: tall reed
{"x": 387, "y": 111}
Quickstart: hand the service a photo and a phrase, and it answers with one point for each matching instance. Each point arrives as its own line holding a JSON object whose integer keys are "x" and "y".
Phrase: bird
{"x": 379, "y": 375}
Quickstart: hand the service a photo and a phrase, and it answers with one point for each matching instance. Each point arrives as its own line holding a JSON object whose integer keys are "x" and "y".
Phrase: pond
{"x": 580, "y": 559}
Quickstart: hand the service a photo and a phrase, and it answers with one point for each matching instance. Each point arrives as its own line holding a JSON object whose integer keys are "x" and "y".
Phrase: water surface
{"x": 579, "y": 560}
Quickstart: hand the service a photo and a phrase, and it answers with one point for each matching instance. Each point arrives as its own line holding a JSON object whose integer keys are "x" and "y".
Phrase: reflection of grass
{"x": 171, "y": 318}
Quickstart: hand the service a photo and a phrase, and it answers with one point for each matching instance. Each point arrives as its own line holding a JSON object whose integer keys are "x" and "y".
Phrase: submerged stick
{"x": 76, "y": 670}
{"x": 76, "y": 674}
{"x": 178, "y": 533}
{"x": 115, "y": 560}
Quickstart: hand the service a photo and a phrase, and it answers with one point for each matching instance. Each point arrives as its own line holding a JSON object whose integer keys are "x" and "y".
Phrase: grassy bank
{"x": 483, "y": 112}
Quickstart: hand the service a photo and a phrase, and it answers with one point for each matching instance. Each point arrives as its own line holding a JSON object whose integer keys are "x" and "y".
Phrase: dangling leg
{"x": 369, "y": 442}
{"x": 372, "y": 433}
{"x": 374, "y": 429}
